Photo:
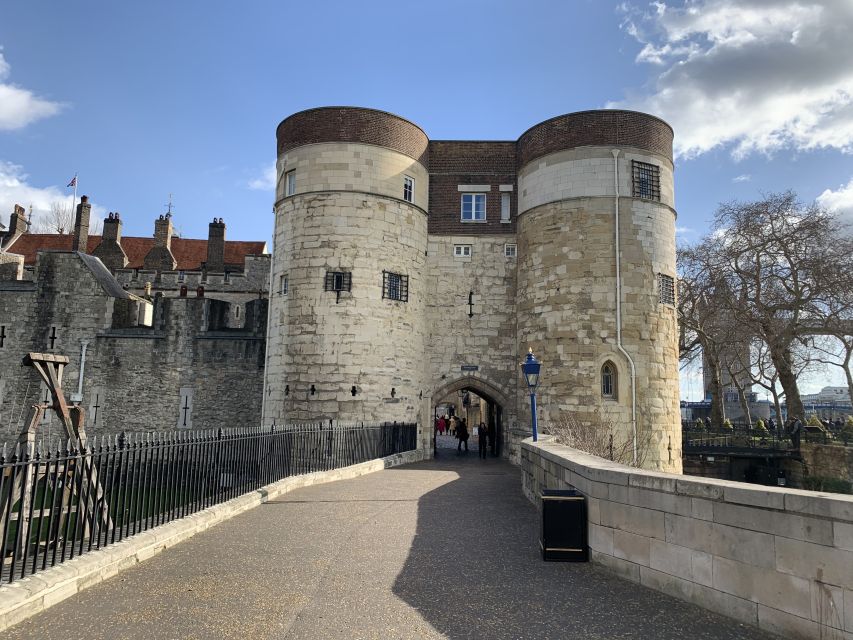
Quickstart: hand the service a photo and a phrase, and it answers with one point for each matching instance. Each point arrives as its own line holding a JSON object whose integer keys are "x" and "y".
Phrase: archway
{"x": 478, "y": 401}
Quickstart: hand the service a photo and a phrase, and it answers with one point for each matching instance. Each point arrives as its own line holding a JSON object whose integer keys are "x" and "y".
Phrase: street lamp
{"x": 530, "y": 367}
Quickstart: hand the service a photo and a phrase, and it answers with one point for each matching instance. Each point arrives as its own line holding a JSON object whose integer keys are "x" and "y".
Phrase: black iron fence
{"x": 57, "y": 504}
{"x": 745, "y": 436}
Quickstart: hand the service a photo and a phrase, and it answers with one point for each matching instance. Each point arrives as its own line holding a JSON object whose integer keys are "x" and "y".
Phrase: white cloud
{"x": 16, "y": 189}
{"x": 758, "y": 75}
{"x": 20, "y": 107}
{"x": 681, "y": 231}
{"x": 744, "y": 177}
{"x": 840, "y": 200}
{"x": 266, "y": 181}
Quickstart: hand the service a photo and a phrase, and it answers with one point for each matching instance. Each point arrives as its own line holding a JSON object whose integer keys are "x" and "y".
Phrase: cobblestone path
{"x": 441, "y": 549}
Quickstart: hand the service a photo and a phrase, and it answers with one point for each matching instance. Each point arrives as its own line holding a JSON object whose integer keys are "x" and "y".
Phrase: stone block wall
{"x": 780, "y": 559}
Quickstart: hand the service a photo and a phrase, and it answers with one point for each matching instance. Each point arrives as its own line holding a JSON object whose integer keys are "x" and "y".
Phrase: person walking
{"x": 462, "y": 435}
{"x": 483, "y": 444}
{"x": 442, "y": 425}
{"x": 796, "y": 432}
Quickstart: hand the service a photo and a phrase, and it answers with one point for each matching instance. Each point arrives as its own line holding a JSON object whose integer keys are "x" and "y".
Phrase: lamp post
{"x": 530, "y": 367}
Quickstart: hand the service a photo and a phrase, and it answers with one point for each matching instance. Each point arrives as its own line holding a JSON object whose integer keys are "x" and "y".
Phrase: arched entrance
{"x": 477, "y": 400}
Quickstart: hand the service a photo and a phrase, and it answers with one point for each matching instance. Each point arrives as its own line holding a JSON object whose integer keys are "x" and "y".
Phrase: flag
{"x": 73, "y": 182}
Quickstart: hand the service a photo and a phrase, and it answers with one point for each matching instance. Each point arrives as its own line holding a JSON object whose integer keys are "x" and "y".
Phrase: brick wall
{"x": 353, "y": 124}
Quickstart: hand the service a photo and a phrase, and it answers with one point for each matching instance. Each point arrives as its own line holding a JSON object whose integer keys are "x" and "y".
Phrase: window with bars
{"x": 338, "y": 281}
{"x": 646, "y": 180}
{"x": 408, "y": 189}
{"x": 666, "y": 289}
{"x": 395, "y": 286}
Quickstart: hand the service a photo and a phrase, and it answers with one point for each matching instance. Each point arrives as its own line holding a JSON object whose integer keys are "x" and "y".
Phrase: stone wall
{"x": 780, "y": 559}
{"x": 567, "y": 296}
{"x": 137, "y": 377}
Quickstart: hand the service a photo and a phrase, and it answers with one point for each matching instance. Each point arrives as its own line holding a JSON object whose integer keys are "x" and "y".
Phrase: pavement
{"x": 445, "y": 548}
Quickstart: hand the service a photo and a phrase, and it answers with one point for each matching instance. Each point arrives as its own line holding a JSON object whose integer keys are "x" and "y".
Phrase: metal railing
{"x": 56, "y": 504}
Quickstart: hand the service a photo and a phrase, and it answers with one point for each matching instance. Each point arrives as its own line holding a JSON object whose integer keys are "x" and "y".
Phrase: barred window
{"x": 666, "y": 289}
{"x": 338, "y": 281}
{"x": 646, "y": 180}
{"x": 408, "y": 189}
{"x": 395, "y": 286}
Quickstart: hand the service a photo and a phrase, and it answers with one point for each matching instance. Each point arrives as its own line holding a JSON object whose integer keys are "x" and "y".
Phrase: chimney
{"x": 216, "y": 246}
{"x": 110, "y": 251}
{"x": 160, "y": 256}
{"x": 81, "y": 225}
{"x": 17, "y": 227}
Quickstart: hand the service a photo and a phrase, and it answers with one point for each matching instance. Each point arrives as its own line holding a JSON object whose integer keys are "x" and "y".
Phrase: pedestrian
{"x": 483, "y": 434}
{"x": 442, "y": 425}
{"x": 453, "y": 420}
{"x": 796, "y": 432}
{"x": 462, "y": 435}
{"x": 707, "y": 422}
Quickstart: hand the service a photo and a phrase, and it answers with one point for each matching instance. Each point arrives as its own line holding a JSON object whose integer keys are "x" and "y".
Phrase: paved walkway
{"x": 441, "y": 549}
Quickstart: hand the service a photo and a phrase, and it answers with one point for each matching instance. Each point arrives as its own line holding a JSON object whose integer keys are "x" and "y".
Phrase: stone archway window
{"x": 608, "y": 381}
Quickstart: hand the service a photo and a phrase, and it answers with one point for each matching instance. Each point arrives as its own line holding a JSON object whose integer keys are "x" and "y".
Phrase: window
{"x": 608, "y": 381}
{"x": 181, "y": 276}
{"x": 395, "y": 286}
{"x": 462, "y": 250}
{"x": 505, "y": 207}
{"x": 510, "y": 250}
{"x": 666, "y": 289}
{"x": 646, "y": 180}
{"x": 473, "y": 207}
{"x": 408, "y": 189}
{"x": 283, "y": 285}
{"x": 290, "y": 183}
{"x": 338, "y": 281}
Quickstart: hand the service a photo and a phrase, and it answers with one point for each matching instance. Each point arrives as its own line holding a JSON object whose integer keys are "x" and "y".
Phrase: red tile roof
{"x": 189, "y": 253}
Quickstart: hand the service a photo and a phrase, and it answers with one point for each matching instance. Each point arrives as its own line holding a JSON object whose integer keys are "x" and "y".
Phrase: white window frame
{"x": 408, "y": 188}
{"x": 290, "y": 182}
{"x": 506, "y": 208}
{"x": 474, "y": 198}
{"x": 462, "y": 251}
{"x": 510, "y": 250}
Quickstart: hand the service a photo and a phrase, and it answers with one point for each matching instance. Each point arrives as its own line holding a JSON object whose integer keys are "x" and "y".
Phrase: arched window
{"x": 608, "y": 381}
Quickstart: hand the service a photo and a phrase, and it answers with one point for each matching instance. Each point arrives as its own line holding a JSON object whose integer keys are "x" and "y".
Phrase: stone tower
{"x": 408, "y": 270}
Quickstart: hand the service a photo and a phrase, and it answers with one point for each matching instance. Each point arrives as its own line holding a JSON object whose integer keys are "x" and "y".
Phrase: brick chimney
{"x": 81, "y": 225}
{"x": 160, "y": 256}
{"x": 216, "y": 246}
{"x": 110, "y": 251}
{"x": 17, "y": 226}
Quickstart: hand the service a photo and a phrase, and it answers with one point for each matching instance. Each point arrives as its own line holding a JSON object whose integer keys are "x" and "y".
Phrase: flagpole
{"x": 74, "y": 201}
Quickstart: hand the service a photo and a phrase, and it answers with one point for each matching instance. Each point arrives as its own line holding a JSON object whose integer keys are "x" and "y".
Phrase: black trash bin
{"x": 563, "y": 534}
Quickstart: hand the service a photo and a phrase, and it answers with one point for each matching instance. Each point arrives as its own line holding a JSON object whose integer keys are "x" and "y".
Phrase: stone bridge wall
{"x": 780, "y": 559}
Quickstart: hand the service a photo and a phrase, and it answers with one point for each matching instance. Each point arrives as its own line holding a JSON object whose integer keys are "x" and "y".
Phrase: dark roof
{"x": 189, "y": 253}
{"x": 103, "y": 276}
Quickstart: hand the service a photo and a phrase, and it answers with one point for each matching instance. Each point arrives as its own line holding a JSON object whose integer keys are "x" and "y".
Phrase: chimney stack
{"x": 160, "y": 256}
{"x": 216, "y": 246}
{"x": 17, "y": 224}
{"x": 81, "y": 225}
{"x": 110, "y": 251}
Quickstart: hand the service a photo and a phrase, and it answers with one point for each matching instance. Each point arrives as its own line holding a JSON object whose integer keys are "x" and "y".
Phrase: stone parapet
{"x": 780, "y": 559}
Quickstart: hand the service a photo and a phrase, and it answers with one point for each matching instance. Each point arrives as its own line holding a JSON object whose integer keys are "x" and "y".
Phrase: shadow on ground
{"x": 474, "y": 571}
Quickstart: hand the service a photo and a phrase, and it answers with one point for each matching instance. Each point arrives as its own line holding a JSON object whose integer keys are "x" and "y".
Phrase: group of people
{"x": 458, "y": 427}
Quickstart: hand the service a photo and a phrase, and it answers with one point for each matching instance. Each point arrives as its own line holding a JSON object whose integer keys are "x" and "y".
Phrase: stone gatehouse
{"x": 407, "y": 269}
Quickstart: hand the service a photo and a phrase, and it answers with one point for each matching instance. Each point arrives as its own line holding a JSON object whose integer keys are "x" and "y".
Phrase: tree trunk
{"x": 778, "y": 406}
{"x": 782, "y": 363}
{"x": 718, "y": 413}
{"x": 744, "y": 406}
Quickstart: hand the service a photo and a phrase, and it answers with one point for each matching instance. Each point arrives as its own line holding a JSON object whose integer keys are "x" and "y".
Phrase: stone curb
{"x": 35, "y": 593}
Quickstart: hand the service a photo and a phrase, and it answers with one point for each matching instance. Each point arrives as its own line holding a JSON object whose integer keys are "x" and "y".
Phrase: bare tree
{"x": 784, "y": 271}
{"x": 600, "y": 437}
{"x": 836, "y": 351}
{"x": 60, "y": 219}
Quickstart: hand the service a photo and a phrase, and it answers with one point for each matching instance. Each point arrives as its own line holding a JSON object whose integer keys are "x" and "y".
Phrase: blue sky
{"x": 148, "y": 99}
